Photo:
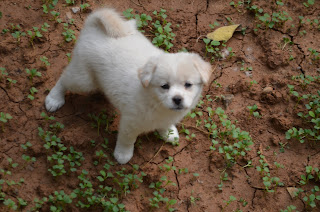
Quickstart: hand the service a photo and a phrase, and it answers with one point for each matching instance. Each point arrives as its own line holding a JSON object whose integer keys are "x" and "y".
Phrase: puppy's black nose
{"x": 177, "y": 100}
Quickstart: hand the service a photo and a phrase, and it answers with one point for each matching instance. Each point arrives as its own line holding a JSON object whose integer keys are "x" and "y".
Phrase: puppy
{"x": 152, "y": 89}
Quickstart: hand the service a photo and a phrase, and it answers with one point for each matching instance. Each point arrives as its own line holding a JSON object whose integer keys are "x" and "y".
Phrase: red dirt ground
{"x": 262, "y": 50}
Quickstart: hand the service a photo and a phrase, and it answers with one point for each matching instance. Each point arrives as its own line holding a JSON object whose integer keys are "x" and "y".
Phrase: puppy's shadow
{"x": 79, "y": 132}
{"x": 82, "y": 105}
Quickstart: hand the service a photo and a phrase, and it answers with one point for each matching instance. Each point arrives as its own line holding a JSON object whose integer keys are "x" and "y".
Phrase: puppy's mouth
{"x": 178, "y": 108}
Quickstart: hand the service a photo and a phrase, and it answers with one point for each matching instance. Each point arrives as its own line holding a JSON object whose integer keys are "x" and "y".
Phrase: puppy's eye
{"x": 165, "y": 86}
{"x": 187, "y": 85}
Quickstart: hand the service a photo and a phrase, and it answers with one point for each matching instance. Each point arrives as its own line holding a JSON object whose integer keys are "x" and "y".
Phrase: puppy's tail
{"x": 111, "y": 23}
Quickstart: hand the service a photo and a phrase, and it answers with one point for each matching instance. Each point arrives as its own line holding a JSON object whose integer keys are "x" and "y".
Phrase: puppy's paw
{"x": 170, "y": 135}
{"x": 123, "y": 154}
{"x": 53, "y": 104}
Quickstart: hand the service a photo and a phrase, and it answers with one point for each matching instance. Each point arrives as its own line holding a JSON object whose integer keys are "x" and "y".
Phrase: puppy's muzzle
{"x": 178, "y": 102}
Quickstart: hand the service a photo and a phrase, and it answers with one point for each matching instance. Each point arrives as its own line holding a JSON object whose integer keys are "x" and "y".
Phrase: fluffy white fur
{"x": 152, "y": 89}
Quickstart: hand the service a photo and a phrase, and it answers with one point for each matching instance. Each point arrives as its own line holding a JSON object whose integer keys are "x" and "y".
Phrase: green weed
{"x": 4, "y": 118}
{"x": 17, "y": 35}
{"x": 162, "y": 30}
{"x": 69, "y": 34}
{"x": 11, "y": 81}
{"x": 33, "y": 91}
{"x": 253, "y": 110}
{"x": 56, "y": 15}
{"x": 32, "y": 74}
{"x": 45, "y": 61}
{"x": 84, "y": 6}
{"x": 3, "y": 72}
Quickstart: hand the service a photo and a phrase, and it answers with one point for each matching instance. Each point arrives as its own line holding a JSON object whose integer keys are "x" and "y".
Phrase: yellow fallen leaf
{"x": 292, "y": 191}
{"x": 223, "y": 33}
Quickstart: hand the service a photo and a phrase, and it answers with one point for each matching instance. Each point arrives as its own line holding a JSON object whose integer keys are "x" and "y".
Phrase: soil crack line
{"x": 175, "y": 172}
{"x": 9, "y": 96}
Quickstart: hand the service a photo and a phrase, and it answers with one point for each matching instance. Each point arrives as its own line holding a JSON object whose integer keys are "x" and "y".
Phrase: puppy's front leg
{"x": 125, "y": 144}
{"x": 170, "y": 135}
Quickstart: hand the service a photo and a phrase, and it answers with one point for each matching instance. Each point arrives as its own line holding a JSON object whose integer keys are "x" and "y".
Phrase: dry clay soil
{"x": 262, "y": 50}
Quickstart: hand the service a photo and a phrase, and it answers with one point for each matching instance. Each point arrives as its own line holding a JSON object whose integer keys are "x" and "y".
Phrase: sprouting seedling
{"x": 32, "y": 73}
{"x": 101, "y": 119}
{"x": 45, "y": 61}
{"x": 304, "y": 80}
{"x": 4, "y": 117}
{"x": 56, "y": 15}
{"x": 3, "y": 72}
{"x": 212, "y": 49}
{"x": 252, "y": 82}
{"x": 10, "y": 204}
{"x": 214, "y": 25}
{"x": 69, "y": 57}
{"x": 236, "y": 5}
{"x": 303, "y": 32}
{"x": 11, "y": 81}
{"x": 84, "y": 6}
{"x": 228, "y": 202}
{"x": 308, "y": 3}
{"x": 162, "y": 30}
{"x": 28, "y": 159}
{"x": 128, "y": 13}
{"x": 253, "y": 111}
{"x": 315, "y": 55}
{"x": 45, "y": 27}
{"x": 296, "y": 94}
{"x": 33, "y": 35}
{"x": 267, "y": 21}
{"x": 291, "y": 58}
{"x": 68, "y": 34}
{"x": 26, "y": 145}
{"x": 142, "y": 20}
{"x": 70, "y": 2}
{"x": 278, "y": 165}
{"x": 223, "y": 177}
{"x": 17, "y": 35}
{"x": 11, "y": 163}
{"x": 46, "y": 117}
{"x": 14, "y": 27}
{"x": 33, "y": 90}
{"x": 22, "y": 203}
{"x": 301, "y": 20}
{"x": 280, "y": 3}
{"x": 286, "y": 41}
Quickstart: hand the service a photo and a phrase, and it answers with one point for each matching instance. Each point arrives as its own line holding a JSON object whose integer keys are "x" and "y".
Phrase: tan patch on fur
{"x": 115, "y": 23}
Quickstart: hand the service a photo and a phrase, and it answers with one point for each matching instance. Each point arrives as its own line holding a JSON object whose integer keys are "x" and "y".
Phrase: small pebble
{"x": 227, "y": 99}
{"x": 248, "y": 73}
{"x": 75, "y": 9}
{"x": 68, "y": 16}
{"x": 267, "y": 90}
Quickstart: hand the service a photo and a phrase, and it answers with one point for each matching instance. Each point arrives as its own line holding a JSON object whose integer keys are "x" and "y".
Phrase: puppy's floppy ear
{"x": 145, "y": 73}
{"x": 203, "y": 67}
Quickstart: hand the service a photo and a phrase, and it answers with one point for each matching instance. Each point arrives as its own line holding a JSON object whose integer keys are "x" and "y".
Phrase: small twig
{"x": 200, "y": 130}
{"x": 139, "y": 5}
{"x": 153, "y": 156}
{"x": 199, "y": 38}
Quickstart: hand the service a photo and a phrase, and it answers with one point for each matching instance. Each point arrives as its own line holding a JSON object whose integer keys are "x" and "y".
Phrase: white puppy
{"x": 152, "y": 89}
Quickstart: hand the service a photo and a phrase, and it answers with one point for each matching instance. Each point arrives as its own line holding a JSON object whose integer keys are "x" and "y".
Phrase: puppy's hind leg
{"x": 170, "y": 135}
{"x": 125, "y": 143}
{"x": 76, "y": 78}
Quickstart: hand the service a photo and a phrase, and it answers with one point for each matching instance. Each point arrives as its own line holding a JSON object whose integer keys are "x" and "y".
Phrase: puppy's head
{"x": 175, "y": 80}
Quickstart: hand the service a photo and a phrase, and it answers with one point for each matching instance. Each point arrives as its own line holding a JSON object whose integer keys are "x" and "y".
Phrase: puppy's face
{"x": 175, "y": 80}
